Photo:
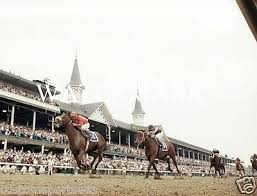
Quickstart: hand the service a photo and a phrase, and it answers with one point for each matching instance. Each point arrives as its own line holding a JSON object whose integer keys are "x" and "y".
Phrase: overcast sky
{"x": 194, "y": 62}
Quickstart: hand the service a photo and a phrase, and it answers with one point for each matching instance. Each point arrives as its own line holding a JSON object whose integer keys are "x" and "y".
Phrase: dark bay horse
{"x": 254, "y": 163}
{"x": 218, "y": 165}
{"x": 152, "y": 152}
{"x": 78, "y": 143}
{"x": 239, "y": 167}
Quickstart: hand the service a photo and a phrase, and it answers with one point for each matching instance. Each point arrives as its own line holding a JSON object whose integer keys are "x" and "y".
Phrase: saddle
{"x": 162, "y": 146}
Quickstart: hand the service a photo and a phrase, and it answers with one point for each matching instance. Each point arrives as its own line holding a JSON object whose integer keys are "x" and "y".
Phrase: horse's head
{"x": 140, "y": 138}
{"x": 253, "y": 158}
{"x": 62, "y": 120}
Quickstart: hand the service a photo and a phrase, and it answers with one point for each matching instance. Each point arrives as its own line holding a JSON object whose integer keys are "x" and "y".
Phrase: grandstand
{"x": 27, "y": 129}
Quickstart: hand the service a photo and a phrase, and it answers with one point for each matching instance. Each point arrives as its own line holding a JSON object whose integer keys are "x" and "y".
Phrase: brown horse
{"x": 239, "y": 167}
{"x": 218, "y": 165}
{"x": 254, "y": 163}
{"x": 152, "y": 152}
{"x": 78, "y": 143}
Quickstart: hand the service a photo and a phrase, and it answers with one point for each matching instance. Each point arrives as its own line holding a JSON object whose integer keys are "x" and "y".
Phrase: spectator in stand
{"x": 27, "y": 132}
{"x": 23, "y": 92}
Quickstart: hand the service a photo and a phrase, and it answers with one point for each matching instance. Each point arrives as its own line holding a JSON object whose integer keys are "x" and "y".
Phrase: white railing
{"x": 106, "y": 170}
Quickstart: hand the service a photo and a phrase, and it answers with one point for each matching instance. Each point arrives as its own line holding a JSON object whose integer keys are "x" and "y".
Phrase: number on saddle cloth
{"x": 92, "y": 136}
{"x": 162, "y": 146}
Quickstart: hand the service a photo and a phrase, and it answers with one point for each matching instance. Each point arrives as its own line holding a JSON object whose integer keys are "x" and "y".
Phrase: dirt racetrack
{"x": 117, "y": 185}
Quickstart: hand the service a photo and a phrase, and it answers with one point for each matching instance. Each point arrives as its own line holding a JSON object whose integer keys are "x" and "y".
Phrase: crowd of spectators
{"x": 137, "y": 164}
{"x": 23, "y": 92}
{"x": 27, "y": 132}
{"x": 36, "y": 163}
{"x": 43, "y": 161}
{"x": 126, "y": 149}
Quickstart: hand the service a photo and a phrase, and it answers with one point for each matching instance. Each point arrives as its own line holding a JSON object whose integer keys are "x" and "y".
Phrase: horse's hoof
{"x": 157, "y": 177}
{"x": 146, "y": 177}
{"x": 93, "y": 171}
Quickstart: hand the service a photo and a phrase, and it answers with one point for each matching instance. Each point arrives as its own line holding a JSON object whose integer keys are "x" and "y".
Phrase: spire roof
{"x": 75, "y": 76}
{"x": 138, "y": 107}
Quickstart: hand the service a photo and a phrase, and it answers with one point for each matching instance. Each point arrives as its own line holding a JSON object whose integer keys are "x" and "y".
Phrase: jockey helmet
{"x": 73, "y": 114}
{"x": 150, "y": 128}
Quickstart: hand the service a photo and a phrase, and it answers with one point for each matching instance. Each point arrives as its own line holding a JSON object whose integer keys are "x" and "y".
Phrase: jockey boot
{"x": 84, "y": 133}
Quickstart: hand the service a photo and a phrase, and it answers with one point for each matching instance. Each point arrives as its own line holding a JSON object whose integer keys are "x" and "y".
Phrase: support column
{"x": 119, "y": 137}
{"x": 183, "y": 153}
{"x": 34, "y": 120}
{"x": 65, "y": 151}
{"x": 53, "y": 123}
{"x": 12, "y": 115}
{"x": 42, "y": 149}
{"x": 109, "y": 133}
{"x": 5, "y": 144}
{"x": 129, "y": 140}
{"x": 198, "y": 156}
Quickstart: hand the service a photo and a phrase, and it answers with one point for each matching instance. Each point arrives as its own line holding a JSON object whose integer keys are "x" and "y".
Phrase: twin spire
{"x": 75, "y": 91}
{"x": 75, "y": 87}
{"x": 75, "y": 80}
{"x": 138, "y": 112}
{"x": 138, "y": 107}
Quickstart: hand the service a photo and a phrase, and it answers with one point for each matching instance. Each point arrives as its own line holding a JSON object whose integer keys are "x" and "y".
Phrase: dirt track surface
{"x": 119, "y": 185}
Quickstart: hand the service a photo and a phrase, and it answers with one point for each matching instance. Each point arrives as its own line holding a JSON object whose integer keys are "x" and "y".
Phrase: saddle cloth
{"x": 163, "y": 146}
{"x": 92, "y": 136}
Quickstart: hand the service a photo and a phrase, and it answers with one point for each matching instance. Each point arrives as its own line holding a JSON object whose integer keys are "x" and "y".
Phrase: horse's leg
{"x": 95, "y": 157}
{"x": 100, "y": 158}
{"x": 219, "y": 171}
{"x": 169, "y": 168}
{"x": 80, "y": 157}
{"x": 175, "y": 163}
{"x": 148, "y": 168}
{"x": 210, "y": 169}
{"x": 215, "y": 173}
{"x": 155, "y": 168}
{"x": 78, "y": 160}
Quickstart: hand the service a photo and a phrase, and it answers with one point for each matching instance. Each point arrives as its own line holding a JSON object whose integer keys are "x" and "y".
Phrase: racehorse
{"x": 152, "y": 152}
{"x": 218, "y": 165}
{"x": 239, "y": 167}
{"x": 78, "y": 143}
{"x": 254, "y": 163}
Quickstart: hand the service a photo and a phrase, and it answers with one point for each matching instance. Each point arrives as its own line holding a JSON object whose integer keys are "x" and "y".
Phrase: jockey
{"x": 215, "y": 152}
{"x": 153, "y": 132}
{"x": 238, "y": 160}
{"x": 80, "y": 122}
{"x": 83, "y": 124}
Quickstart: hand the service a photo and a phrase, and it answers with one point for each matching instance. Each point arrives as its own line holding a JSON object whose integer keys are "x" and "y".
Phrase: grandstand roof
{"x": 22, "y": 82}
{"x": 123, "y": 125}
{"x": 184, "y": 144}
{"x": 87, "y": 109}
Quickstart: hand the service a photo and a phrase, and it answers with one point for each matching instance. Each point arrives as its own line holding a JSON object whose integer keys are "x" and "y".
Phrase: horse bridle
{"x": 144, "y": 137}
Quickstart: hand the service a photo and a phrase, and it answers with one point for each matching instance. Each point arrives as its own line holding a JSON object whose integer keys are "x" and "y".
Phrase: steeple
{"x": 75, "y": 76}
{"x": 138, "y": 113}
{"x": 75, "y": 87}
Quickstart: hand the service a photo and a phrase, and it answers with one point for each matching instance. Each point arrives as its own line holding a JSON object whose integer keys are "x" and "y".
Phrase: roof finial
{"x": 76, "y": 54}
